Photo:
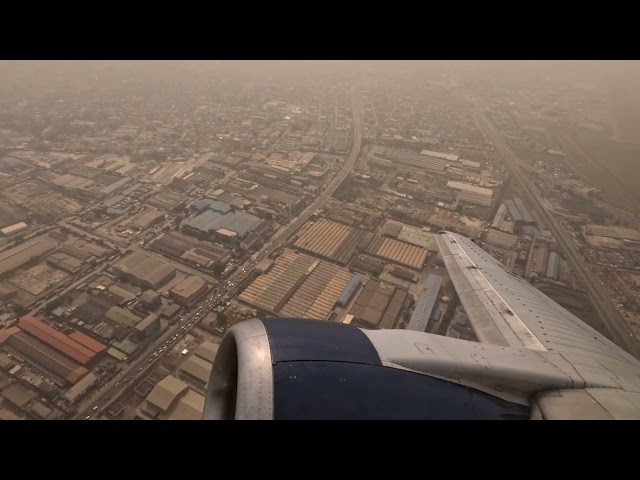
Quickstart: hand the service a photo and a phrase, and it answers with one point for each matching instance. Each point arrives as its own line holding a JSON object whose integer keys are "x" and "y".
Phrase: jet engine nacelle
{"x": 283, "y": 368}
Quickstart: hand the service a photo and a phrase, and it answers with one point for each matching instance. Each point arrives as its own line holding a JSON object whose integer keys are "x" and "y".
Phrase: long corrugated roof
{"x": 57, "y": 340}
{"x": 424, "y": 305}
{"x": 88, "y": 342}
{"x": 467, "y": 187}
{"x": 45, "y": 356}
{"x": 79, "y": 388}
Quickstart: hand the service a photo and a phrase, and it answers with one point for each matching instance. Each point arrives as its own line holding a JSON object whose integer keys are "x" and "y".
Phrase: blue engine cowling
{"x": 284, "y": 368}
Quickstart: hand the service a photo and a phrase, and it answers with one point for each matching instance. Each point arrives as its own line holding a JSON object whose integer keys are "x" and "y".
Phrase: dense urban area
{"x": 141, "y": 216}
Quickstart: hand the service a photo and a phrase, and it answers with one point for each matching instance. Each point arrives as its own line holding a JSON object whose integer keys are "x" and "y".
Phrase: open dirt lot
{"x": 38, "y": 278}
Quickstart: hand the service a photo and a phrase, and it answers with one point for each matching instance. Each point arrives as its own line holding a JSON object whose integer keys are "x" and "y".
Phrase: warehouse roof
{"x": 121, "y": 292}
{"x": 17, "y": 395}
{"x": 398, "y": 251}
{"x": 189, "y": 286}
{"x": 198, "y": 368}
{"x": 64, "y": 261}
{"x": 170, "y": 310}
{"x": 39, "y": 410}
{"x": 501, "y": 239}
{"x": 56, "y": 339}
{"x": 424, "y": 305}
{"x": 41, "y": 354}
{"x": 147, "y": 218}
{"x": 16, "y": 256}
{"x": 332, "y": 239}
{"x": 117, "y": 354}
{"x": 189, "y": 407}
{"x": 122, "y": 316}
{"x": 238, "y": 222}
{"x": 88, "y": 342}
{"x": 7, "y": 332}
{"x": 207, "y": 350}
{"x": 149, "y": 296}
{"x": 127, "y": 346}
{"x": 16, "y": 227}
{"x": 144, "y": 267}
{"x": 467, "y": 187}
{"x": 82, "y": 386}
{"x": 444, "y": 156}
{"x": 419, "y": 237}
{"x": 148, "y": 320}
{"x": 166, "y": 391}
{"x": 211, "y": 204}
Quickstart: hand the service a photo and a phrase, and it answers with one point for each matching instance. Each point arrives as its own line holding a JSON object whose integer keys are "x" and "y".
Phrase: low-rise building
{"x": 171, "y": 312}
{"x": 148, "y": 327}
{"x": 150, "y": 299}
{"x": 189, "y": 291}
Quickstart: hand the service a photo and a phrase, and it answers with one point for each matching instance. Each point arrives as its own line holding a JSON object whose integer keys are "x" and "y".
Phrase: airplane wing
{"x": 534, "y": 360}
{"x": 506, "y": 310}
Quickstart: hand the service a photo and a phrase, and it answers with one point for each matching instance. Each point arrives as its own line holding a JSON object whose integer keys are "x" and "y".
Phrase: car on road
{"x": 87, "y": 417}
{"x": 95, "y": 408}
{"x": 140, "y": 369}
{"x": 117, "y": 383}
{"x": 150, "y": 360}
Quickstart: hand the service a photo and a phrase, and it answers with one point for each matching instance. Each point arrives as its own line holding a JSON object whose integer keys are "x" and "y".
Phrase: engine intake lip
{"x": 241, "y": 381}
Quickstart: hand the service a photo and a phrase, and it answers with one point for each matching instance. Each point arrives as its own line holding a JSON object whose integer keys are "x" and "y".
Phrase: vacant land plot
{"x": 45, "y": 204}
{"x": 38, "y": 278}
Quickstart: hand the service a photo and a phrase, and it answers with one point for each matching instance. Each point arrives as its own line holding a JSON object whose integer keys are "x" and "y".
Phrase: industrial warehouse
{"x": 190, "y": 250}
{"x": 135, "y": 234}
{"x": 398, "y": 252}
{"x": 379, "y": 305}
{"x": 298, "y": 285}
{"x": 333, "y": 240}
{"x": 425, "y": 304}
{"x": 143, "y": 270}
{"x": 409, "y": 234}
{"x": 219, "y": 219}
{"x": 64, "y": 356}
{"x": 471, "y": 193}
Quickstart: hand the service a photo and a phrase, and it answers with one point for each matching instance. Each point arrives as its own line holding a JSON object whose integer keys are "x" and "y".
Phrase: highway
{"x": 110, "y": 392}
{"x": 614, "y": 321}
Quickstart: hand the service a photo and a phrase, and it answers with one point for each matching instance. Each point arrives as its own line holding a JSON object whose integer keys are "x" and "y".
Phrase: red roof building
{"x": 57, "y": 340}
{"x": 43, "y": 355}
{"x": 88, "y": 342}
